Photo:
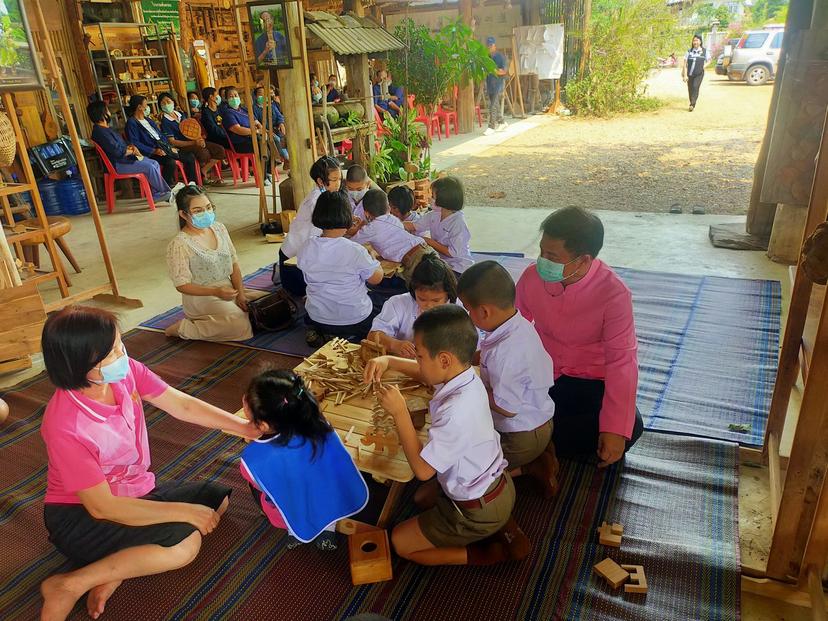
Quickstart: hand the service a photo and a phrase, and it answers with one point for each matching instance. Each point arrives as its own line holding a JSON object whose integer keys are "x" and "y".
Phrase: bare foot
{"x": 96, "y": 600}
{"x": 173, "y": 329}
{"x": 58, "y": 598}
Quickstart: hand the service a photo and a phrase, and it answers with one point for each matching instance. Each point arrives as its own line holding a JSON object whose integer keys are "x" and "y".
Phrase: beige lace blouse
{"x": 190, "y": 262}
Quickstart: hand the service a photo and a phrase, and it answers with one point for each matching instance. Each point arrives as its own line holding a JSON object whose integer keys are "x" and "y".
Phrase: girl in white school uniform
{"x": 336, "y": 271}
{"x": 432, "y": 284}
{"x": 327, "y": 177}
{"x": 445, "y": 222}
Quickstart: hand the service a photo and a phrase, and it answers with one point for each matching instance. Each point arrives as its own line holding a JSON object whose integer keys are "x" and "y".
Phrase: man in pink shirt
{"x": 584, "y": 316}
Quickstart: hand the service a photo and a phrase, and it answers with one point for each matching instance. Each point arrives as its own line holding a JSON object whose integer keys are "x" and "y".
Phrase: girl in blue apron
{"x": 299, "y": 471}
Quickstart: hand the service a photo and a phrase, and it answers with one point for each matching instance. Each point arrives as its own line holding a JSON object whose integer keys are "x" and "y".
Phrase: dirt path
{"x": 641, "y": 162}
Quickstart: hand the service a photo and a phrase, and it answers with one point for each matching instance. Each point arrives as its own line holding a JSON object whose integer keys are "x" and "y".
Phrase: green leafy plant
{"x": 421, "y": 66}
{"x": 9, "y": 56}
{"x": 404, "y": 142}
{"x": 349, "y": 120}
{"x": 381, "y": 165}
{"x": 614, "y": 79}
{"x": 464, "y": 56}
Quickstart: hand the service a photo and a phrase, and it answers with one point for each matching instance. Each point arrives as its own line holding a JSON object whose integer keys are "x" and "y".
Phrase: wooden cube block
{"x": 638, "y": 581}
{"x": 370, "y": 555}
{"x": 612, "y": 572}
{"x": 610, "y": 534}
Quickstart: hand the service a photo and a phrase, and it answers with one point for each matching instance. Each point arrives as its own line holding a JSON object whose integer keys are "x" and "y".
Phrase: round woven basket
{"x": 190, "y": 128}
{"x": 8, "y": 144}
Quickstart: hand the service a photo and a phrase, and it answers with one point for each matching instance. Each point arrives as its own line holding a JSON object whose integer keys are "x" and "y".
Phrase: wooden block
{"x": 370, "y": 350}
{"x": 370, "y": 557}
{"x": 638, "y": 581}
{"x": 612, "y": 572}
{"x": 610, "y": 534}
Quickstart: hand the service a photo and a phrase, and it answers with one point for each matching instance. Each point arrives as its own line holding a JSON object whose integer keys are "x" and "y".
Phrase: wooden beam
{"x": 774, "y": 477}
{"x": 75, "y": 19}
{"x": 800, "y": 299}
{"x": 296, "y": 105}
{"x": 806, "y": 467}
{"x": 773, "y": 589}
{"x": 465, "y": 95}
{"x": 817, "y": 594}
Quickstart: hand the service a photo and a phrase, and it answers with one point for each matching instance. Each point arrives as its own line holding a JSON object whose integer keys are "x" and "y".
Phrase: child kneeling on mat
{"x": 516, "y": 371}
{"x": 336, "y": 272}
{"x": 299, "y": 470}
{"x": 467, "y": 520}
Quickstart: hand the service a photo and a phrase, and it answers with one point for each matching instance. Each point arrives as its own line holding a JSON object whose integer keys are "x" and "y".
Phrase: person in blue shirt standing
{"x": 125, "y": 157}
{"x": 495, "y": 84}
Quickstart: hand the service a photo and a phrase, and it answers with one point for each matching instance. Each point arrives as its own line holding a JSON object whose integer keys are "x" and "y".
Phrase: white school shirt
{"x": 514, "y": 363}
{"x": 452, "y": 233}
{"x": 463, "y": 446}
{"x": 356, "y": 208}
{"x": 335, "y": 271}
{"x": 398, "y": 316}
{"x": 388, "y": 237}
{"x": 302, "y": 229}
{"x": 413, "y": 216}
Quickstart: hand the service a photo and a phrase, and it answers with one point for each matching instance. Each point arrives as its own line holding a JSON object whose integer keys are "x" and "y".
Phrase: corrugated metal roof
{"x": 349, "y": 34}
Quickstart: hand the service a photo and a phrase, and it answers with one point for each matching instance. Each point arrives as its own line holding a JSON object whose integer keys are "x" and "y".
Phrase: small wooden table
{"x": 353, "y": 419}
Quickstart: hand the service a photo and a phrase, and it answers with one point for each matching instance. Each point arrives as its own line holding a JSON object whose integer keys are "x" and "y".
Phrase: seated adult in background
{"x": 333, "y": 94}
{"x": 204, "y": 267}
{"x": 104, "y": 509}
{"x": 278, "y": 120}
{"x": 583, "y": 313}
{"x": 195, "y": 104}
{"x": 395, "y": 92}
{"x": 383, "y": 100}
{"x": 211, "y": 119}
{"x": 151, "y": 142}
{"x": 236, "y": 122}
{"x": 208, "y": 154}
{"x": 316, "y": 92}
{"x": 124, "y": 157}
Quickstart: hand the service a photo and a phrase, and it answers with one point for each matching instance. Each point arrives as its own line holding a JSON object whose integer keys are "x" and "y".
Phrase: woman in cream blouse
{"x": 203, "y": 266}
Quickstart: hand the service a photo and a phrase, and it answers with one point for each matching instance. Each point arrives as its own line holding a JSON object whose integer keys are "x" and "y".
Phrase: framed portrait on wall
{"x": 19, "y": 67}
{"x": 268, "y": 27}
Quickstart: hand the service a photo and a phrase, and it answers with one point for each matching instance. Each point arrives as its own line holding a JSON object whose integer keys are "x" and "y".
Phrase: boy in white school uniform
{"x": 357, "y": 183}
{"x": 388, "y": 236}
{"x": 445, "y": 222}
{"x": 336, "y": 271}
{"x": 468, "y": 509}
{"x": 516, "y": 369}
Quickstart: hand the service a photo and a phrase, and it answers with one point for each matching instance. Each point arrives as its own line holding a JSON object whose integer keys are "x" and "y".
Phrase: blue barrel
{"x": 50, "y": 197}
{"x": 72, "y": 195}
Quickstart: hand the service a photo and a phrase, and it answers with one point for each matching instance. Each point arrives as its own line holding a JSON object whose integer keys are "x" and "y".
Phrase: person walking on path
{"x": 495, "y": 84}
{"x": 692, "y": 69}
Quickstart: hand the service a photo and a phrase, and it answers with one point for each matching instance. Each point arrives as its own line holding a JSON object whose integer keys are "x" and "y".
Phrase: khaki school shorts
{"x": 523, "y": 447}
{"x": 447, "y": 525}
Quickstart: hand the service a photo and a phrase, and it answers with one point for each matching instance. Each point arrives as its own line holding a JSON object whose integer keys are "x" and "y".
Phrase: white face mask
{"x": 357, "y": 195}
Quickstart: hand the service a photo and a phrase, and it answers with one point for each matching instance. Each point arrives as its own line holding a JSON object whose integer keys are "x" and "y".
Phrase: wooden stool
{"x": 58, "y": 226}
{"x": 370, "y": 556}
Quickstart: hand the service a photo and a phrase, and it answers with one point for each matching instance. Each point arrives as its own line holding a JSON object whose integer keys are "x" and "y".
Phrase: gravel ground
{"x": 638, "y": 162}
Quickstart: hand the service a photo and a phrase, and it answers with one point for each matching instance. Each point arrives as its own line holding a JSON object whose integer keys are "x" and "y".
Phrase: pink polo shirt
{"x": 589, "y": 331}
{"x": 88, "y": 442}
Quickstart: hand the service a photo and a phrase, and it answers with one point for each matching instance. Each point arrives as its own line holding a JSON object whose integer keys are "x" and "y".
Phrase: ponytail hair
{"x": 322, "y": 167}
{"x": 280, "y": 400}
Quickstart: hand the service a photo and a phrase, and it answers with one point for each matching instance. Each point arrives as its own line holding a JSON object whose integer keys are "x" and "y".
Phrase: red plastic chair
{"x": 113, "y": 175}
{"x": 429, "y": 121}
{"x": 447, "y": 116}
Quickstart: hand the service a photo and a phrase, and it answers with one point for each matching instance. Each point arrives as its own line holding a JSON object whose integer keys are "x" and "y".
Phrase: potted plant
{"x": 405, "y": 144}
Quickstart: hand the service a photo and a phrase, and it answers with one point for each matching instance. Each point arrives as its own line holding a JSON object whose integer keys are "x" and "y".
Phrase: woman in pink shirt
{"x": 583, "y": 313}
{"x": 103, "y": 508}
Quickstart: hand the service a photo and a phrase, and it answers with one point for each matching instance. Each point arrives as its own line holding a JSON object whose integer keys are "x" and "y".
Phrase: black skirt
{"x": 84, "y": 539}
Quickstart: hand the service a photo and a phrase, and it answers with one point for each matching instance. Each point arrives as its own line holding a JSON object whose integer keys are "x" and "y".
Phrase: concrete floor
{"x": 664, "y": 242}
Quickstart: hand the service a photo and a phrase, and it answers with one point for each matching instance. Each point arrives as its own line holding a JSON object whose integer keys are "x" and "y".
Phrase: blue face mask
{"x": 218, "y": 99}
{"x": 195, "y": 104}
{"x": 115, "y": 371}
{"x": 550, "y": 271}
{"x": 203, "y": 220}
{"x": 234, "y": 102}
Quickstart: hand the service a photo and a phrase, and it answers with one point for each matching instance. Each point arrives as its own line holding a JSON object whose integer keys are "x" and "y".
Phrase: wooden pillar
{"x": 296, "y": 105}
{"x": 358, "y": 76}
{"x": 76, "y": 31}
{"x": 534, "y": 13}
{"x": 465, "y": 98}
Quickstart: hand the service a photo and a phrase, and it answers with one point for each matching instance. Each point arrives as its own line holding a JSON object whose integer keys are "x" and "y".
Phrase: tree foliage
{"x": 768, "y": 11}
{"x": 627, "y": 38}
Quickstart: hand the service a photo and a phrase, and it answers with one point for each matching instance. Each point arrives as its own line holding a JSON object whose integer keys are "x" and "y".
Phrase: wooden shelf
{"x": 15, "y": 188}
{"x": 114, "y": 58}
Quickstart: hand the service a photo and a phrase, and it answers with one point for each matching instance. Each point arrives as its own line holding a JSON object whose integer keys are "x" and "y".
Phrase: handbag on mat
{"x": 272, "y": 313}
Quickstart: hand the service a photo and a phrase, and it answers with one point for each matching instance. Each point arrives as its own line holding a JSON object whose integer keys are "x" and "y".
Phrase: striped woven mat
{"x": 676, "y": 496}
